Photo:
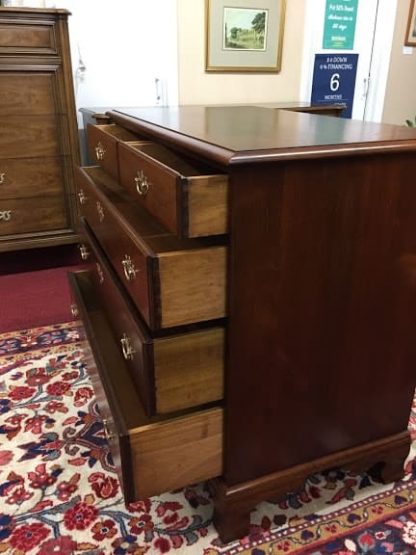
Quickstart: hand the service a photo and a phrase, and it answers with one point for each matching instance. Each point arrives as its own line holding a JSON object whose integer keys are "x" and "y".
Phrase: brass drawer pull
{"x": 84, "y": 252}
{"x": 100, "y": 211}
{"x": 100, "y": 273}
{"x": 2, "y": 177}
{"x": 127, "y": 347}
{"x": 109, "y": 435}
{"x": 129, "y": 268}
{"x": 142, "y": 183}
{"x": 82, "y": 197}
{"x": 99, "y": 151}
{"x": 6, "y": 215}
{"x": 74, "y": 310}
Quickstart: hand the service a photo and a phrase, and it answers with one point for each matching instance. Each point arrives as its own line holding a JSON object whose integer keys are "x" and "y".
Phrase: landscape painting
{"x": 244, "y": 35}
{"x": 245, "y": 29}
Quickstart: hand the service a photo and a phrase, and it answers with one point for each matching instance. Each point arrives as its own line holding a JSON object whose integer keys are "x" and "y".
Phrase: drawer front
{"x": 129, "y": 262}
{"x": 188, "y": 200}
{"x": 103, "y": 143}
{"x": 134, "y": 344}
{"x": 152, "y": 455}
{"x": 32, "y": 215}
{"x": 32, "y": 136}
{"x": 150, "y": 184}
{"x": 31, "y": 177}
{"x": 25, "y": 37}
{"x": 27, "y": 93}
{"x": 102, "y": 148}
{"x": 170, "y": 288}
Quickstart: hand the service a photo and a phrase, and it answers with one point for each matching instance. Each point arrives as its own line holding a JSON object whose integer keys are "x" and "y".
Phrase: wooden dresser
{"x": 250, "y": 305}
{"x": 38, "y": 130}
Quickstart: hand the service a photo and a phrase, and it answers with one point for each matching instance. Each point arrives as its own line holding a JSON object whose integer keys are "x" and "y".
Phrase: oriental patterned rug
{"x": 59, "y": 493}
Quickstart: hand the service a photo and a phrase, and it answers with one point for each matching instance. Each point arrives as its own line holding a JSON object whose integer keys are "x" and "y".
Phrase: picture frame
{"x": 244, "y": 35}
{"x": 410, "y": 39}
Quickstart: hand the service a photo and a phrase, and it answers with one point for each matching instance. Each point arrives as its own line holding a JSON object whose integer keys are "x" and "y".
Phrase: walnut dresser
{"x": 250, "y": 303}
{"x": 38, "y": 130}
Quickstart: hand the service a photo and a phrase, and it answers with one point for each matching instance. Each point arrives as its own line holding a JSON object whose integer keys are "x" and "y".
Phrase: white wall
{"x": 125, "y": 46}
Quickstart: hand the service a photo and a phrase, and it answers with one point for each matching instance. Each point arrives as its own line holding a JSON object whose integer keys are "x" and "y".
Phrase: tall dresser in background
{"x": 38, "y": 129}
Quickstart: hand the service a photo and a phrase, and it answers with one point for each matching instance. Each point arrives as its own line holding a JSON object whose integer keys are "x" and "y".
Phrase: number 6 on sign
{"x": 334, "y": 83}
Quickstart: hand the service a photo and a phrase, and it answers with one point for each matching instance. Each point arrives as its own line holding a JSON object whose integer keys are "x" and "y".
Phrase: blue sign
{"x": 334, "y": 80}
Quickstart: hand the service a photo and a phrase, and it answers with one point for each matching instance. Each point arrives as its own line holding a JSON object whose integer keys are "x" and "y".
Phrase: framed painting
{"x": 410, "y": 39}
{"x": 244, "y": 35}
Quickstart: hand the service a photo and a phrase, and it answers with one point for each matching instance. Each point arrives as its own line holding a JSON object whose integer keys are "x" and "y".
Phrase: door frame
{"x": 380, "y": 61}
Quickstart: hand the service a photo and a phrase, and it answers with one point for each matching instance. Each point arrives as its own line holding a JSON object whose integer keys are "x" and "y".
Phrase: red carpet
{"x": 32, "y": 299}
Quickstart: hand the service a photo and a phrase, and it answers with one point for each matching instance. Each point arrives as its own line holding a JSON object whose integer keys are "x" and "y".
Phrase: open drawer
{"x": 172, "y": 373}
{"x": 188, "y": 197}
{"x": 152, "y": 455}
{"x": 102, "y": 145}
{"x": 173, "y": 282}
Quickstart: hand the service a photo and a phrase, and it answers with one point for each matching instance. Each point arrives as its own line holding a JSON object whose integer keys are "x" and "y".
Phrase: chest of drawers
{"x": 229, "y": 349}
{"x": 38, "y": 131}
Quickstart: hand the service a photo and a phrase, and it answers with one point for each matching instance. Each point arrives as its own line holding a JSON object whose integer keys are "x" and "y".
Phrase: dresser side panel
{"x": 322, "y": 309}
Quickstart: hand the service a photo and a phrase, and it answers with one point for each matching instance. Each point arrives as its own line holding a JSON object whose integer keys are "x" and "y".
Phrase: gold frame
{"x": 410, "y": 39}
{"x": 213, "y": 51}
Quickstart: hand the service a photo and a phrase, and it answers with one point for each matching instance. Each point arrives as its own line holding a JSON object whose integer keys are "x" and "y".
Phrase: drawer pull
{"x": 6, "y": 215}
{"x": 99, "y": 151}
{"x": 82, "y": 197}
{"x": 74, "y": 310}
{"x": 129, "y": 268}
{"x": 109, "y": 435}
{"x": 84, "y": 252}
{"x": 100, "y": 211}
{"x": 142, "y": 183}
{"x": 2, "y": 177}
{"x": 127, "y": 347}
{"x": 100, "y": 273}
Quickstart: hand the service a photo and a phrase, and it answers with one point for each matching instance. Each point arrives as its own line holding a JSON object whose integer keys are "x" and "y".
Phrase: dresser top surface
{"x": 236, "y": 134}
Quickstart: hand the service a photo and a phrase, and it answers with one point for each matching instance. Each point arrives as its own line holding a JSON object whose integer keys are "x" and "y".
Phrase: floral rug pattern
{"x": 59, "y": 493}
